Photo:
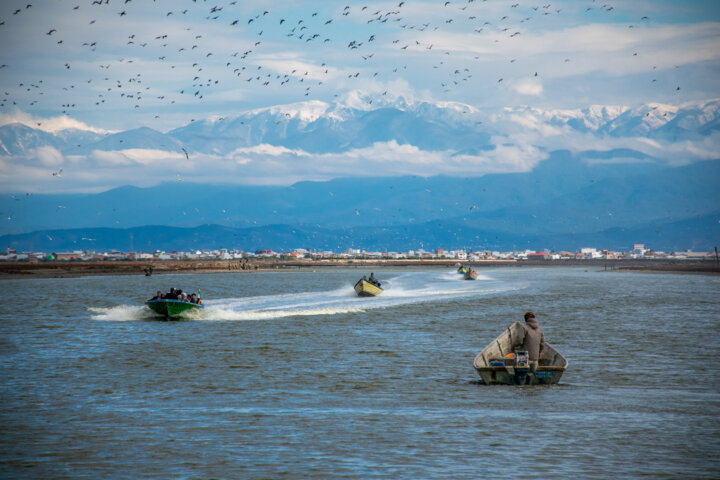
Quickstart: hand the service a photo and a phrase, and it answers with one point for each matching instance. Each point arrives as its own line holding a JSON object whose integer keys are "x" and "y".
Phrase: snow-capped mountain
{"x": 319, "y": 127}
{"x": 450, "y": 168}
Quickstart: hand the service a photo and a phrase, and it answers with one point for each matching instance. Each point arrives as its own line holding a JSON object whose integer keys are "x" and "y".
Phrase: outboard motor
{"x": 521, "y": 368}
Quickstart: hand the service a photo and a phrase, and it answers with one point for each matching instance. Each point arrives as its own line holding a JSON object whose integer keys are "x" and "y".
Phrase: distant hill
{"x": 700, "y": 233}
{"x": 562, "y": 196}
{"x": 598, "y": 188}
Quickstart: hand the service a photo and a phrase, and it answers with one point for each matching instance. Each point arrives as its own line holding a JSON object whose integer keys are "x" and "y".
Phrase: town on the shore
{"x": 462, "y": 255}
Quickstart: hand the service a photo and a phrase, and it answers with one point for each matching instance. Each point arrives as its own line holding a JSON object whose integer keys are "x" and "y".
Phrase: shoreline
{"x": 74, "y": 269}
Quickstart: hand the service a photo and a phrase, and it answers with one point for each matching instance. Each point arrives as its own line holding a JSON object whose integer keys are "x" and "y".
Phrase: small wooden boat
{"x": 495, "y": 363}
{"x": 366, "y": 289}
{"x": 470, "y": 275}
{"x": 172, "y": 308}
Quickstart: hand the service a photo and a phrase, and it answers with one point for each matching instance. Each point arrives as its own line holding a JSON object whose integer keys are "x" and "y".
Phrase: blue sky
{"x": 115, "y": 65}
{"x": 111, "y": 71}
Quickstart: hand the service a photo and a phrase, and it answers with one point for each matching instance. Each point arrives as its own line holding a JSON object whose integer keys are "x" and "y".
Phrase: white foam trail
{"x": 402, "y": 289}
{"x": 122, "y": 313}
{"x": 219, "y": 313}
{"x": 453, "y": 275}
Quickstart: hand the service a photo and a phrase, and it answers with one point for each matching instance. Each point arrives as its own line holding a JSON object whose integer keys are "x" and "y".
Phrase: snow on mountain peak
{"x": 306, "y": 112}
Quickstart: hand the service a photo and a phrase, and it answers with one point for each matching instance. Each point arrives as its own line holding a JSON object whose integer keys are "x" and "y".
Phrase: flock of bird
{"x": 122, "y": 67}
{"x": 200, "y": 49}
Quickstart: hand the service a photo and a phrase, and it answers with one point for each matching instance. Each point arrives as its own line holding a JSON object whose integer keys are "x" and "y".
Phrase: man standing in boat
{"x": 531, "y": 339}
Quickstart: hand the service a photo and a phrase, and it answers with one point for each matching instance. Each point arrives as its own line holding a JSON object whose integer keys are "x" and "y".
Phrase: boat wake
{"x": 403, "y": 289}
{"x": 122, "y": 313}
{"x": 400, "y": 289}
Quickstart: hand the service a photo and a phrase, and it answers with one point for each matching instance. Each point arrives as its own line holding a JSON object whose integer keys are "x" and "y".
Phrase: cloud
{"x": 613, "y": 49}
{"x": 134, "y": 156}
{"x": 297, "y": 65}
{"x": 268, "y": 150}
{"x": 268, "y": 165}
{"x": 47, "y": 124}
{"x": 528, "y": 87}
{"x": 49, "y": 156}
{"x": 521, "y": 142}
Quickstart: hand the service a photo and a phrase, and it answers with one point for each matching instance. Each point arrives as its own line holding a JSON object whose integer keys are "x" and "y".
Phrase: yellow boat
{"x": 366, "y": 289}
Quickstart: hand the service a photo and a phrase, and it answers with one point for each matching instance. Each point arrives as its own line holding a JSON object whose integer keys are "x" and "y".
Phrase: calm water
{"x": 289, "y": 375}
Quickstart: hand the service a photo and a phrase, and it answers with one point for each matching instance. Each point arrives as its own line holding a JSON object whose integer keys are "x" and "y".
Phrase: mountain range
{"x": 562, "y": 204}
{"x": 319, "y": 127}
{"x": 646, "y": 174}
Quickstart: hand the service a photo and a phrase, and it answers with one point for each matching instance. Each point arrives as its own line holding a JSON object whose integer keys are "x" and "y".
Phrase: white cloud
{"x": 143, "y": 156}
{"x": 103, "y": 159}
{"x": 48, "y": 156}
{"x": 521, "y": 143}
{"x": 528, "y": 87}
{"x": 268, "y": 150}
{"x": 47, "y": 124}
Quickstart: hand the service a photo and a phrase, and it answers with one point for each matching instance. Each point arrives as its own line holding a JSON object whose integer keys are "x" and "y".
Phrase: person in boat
{"x": 531, "y": 339}
{"x": 373, "y": 280}
{"x": 158, "y": 296}
{"x": 172, "y": 294}
{"x": 195, "y": 299}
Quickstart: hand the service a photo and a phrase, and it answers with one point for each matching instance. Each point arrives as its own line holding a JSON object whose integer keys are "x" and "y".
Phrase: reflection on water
{"x": 323, "y": 383}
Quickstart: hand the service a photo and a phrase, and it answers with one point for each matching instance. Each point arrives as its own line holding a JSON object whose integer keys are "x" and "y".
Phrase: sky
{"x": 112, "y": 65}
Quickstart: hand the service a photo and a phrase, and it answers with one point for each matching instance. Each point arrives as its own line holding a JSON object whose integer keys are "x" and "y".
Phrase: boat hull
{"x": 494, "y": 367}
{"x": 172, "y": 308}
{"x": 366, "y": 289}
{"x": 470, "y": 275}
{"x": 501, "y": 376}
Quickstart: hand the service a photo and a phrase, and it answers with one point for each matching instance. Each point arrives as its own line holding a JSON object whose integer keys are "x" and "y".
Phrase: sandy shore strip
{"x": 69, "y": 269}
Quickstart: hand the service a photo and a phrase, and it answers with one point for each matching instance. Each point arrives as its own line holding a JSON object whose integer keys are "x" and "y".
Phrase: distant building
{"x": 459, "y": 254}
{"x": 64, "y": 256}
{"x": 590, "y": 253}
{"x": 638, "y": 250}
{"x": 609, "y": 254}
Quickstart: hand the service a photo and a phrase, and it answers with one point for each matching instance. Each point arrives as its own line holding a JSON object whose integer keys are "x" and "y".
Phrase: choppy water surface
{"x": 290, "y": 375}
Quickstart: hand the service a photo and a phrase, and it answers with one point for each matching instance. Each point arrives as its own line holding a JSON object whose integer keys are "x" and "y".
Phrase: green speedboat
{"x": 172, "y": 308}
